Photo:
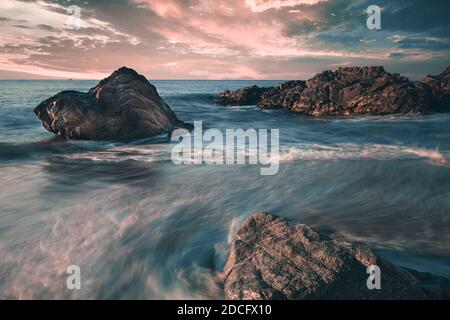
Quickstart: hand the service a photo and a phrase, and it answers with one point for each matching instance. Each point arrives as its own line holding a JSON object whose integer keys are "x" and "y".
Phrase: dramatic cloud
{"x": 263, "y": 5}
{"x": 220, "y": 39}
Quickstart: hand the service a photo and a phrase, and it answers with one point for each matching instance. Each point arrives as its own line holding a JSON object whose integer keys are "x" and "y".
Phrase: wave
{"x": 143, "y": 153}
{"x": 162, "y": 152}
{"x": 415, "y": 117}
{"x": 97, "y": 150}
{"x": 433, "y": 155}
{"x": 361, "y": 152}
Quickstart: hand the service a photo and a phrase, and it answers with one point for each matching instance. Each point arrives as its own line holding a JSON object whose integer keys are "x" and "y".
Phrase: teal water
{"x": 140, "y": 227}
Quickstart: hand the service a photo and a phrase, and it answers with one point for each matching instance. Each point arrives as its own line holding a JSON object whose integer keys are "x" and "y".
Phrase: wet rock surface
{"x": 283, "y": 96}
{"x": 273, "y": 258}
{"x": 351, "y": 91}
{"x": 124, "y": 106}
{"x": 241, "y": 97}
{"x": 440, "y": 89}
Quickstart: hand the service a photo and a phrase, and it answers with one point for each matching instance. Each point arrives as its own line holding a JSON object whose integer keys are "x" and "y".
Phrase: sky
{"x": 219, "y": 39}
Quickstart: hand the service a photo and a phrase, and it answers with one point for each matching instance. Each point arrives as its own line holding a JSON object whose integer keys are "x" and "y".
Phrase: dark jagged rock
{"x": 272, "y": 258}
{"x": 283, "y": 96}
{"x": 274, "y": 97}
{"x": 124, "y": 106}
{"x": 360, "y": 91}
{"x": 241, "y": 97}
{"x": 355, "y": 91}
{"x": 440, "y": 88}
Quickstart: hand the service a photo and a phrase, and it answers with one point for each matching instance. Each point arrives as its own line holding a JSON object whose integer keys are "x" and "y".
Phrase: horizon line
{"x": 153, "y": 79}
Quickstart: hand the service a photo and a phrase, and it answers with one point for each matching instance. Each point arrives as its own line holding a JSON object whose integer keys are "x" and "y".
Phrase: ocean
{"x": 140, "y": 227}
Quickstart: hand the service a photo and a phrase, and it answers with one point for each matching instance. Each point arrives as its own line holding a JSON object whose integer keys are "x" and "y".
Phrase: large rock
{"x": 283, "y": 96}
{"x": 124, "y": 106}
{"x": 360, "y": 91}
{"x": 272, "y": 258}
{"x": 355, "y": 91}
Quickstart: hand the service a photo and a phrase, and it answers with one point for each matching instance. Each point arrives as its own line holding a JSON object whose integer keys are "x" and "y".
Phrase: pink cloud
{"x": 230, "y": 27}
{"x": 263, "y": 5}
{"x": 167, "y": 8}
{"x": 192, "y": 39}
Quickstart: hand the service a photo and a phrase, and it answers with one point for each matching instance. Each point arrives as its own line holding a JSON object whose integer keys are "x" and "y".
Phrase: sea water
{"x": 139, "y": 226}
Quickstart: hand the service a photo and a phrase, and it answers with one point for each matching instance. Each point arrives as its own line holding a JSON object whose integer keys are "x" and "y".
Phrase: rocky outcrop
{"x": 124, "y": 106}
{"x": 241, "y": 97}
{"x": 354, "y": 91}
{"x": 360, "y": 91}
{"x": 283, "y": 96}
{"x": 440, "y": 88}
{"x": 272, "y": 258}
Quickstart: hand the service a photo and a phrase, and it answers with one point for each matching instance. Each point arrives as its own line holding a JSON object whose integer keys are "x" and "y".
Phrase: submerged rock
{"x": 273, "y": 258}
{"x": 354, "y": 91}
{"x": 124, "y": 106}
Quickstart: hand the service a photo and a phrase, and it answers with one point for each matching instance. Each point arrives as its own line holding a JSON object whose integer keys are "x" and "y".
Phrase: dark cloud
{"x": 399, "y": 55}
{"x": 427, "y": 43}
{"x": 419, "y": 16}
{"x": 339, "y": 19}
{"x": 22, "y": 26}
{"x": 46, "y": 27}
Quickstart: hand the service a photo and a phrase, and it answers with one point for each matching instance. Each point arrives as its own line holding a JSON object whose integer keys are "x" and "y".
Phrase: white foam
{"x": 144, "y": 153}
{"x": 343, "y": 151}
{"x": 233, "y": 228}
{"x": 358, "y": 152}
{"x": 433, "y": 155}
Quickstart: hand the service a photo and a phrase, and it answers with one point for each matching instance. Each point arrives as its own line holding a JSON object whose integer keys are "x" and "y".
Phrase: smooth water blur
{"x": 141, "y": 227}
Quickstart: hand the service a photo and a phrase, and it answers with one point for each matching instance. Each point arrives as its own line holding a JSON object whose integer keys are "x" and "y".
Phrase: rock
{"x": 273, "y": 98}
{"x": 360, "y": 91}
{"x": 440, "y": 88}
{"x": 241, "y": 97}
{"x": 273, "y": 258}
{"x": 356, "y": 91}
{"x": 124, "y": 106}
{"x": 283, "y": 96}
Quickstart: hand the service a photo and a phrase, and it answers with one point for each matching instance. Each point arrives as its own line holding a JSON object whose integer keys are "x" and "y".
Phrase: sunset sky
{"x": 223, "y": 39}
